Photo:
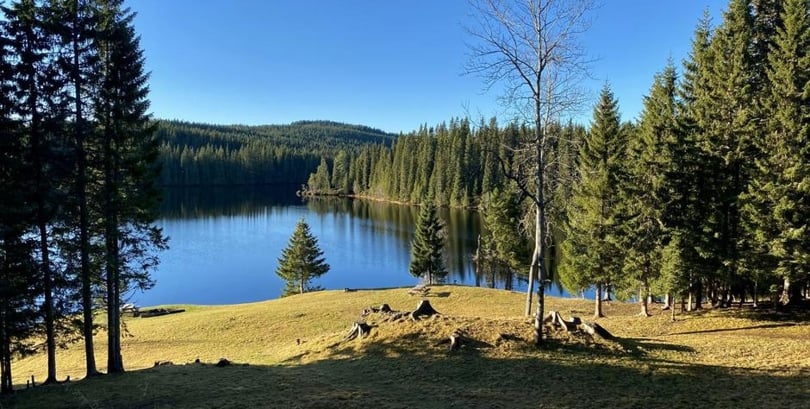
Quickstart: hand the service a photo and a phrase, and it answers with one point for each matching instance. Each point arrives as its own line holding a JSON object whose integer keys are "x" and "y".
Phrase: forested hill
{"x": 195, "y": 154}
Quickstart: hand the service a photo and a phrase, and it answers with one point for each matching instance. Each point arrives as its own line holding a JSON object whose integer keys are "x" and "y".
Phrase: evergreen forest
{"x": 703, "y": 198}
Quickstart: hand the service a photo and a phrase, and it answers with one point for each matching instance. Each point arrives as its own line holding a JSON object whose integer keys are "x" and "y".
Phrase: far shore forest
{"x": 703, "y": 201}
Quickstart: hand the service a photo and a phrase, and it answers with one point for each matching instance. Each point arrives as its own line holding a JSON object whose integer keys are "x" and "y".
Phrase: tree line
{"x": 195, "y": 154}
{"x": 703, "y": 198}
{"x": 78, "y": 172}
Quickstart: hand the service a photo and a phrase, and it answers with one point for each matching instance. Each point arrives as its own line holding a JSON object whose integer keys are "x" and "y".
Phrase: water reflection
{"x": 225, "y": 243}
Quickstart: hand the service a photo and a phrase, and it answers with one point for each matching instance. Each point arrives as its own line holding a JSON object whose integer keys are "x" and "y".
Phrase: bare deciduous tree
{"x": 530, "y": 48}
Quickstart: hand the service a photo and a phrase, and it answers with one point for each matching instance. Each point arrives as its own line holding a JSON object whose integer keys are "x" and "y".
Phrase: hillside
{"x": 195, "y": 154}
{"x": 290, "y": 353}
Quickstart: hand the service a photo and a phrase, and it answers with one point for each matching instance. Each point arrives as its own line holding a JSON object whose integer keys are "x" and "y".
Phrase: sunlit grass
{"x": 296, "y": 358}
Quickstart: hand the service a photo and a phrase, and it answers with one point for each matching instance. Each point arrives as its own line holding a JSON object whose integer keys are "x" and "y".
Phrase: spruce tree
{"x": 728, "y": 134}
{"x": 18, "y": 270}
{"x": 301, "y": 261}
{"x": 592, "y": 257}
{"x": 129, "y": 153}
{"x": 646, "y": 192}
{"x": 694, "y": 169}
{"x": 427, "y": 260}
{"x": 778, "y": 199}
{"x": 38, "y": 93}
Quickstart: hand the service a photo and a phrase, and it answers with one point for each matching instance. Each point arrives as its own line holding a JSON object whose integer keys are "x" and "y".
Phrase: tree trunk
{"x": 538, "y": 261}
{"x": 755, "y": 295}
{"x": 530, "y": 289}
{"x": 787, "y": 292}
{"x": 6, "y": 385}
{"x": 597, "y": 311}
{"x": 644, "y": 305}
{"x": 47, "y": 305}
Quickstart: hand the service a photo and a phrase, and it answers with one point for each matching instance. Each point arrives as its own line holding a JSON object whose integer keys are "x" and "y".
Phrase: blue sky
{"x": 390, "y": 64}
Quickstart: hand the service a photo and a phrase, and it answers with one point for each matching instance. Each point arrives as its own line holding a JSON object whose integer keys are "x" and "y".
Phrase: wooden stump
{"x": 424, "y": 309}
{"x": 359, "y": 330}
{"x": 595, "y": 329}
{"x": 455, "y": 340}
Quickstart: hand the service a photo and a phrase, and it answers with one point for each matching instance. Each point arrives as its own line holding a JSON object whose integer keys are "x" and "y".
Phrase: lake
{"x": 225, "y": 243}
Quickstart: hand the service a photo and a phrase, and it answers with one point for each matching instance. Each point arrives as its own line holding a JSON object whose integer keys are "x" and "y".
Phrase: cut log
{"x": 359, "y": 330}
{"x": 424, "y": 309}
{"x": 595, "y": 329}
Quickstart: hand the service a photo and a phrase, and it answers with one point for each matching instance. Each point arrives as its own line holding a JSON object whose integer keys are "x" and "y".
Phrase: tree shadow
{"x": 393, "y": 375}
{"x": 707, "y": 331}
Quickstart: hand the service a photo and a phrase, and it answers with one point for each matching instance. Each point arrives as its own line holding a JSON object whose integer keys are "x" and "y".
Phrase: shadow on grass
{"x": 763, "y": 326}
{"x": 761, "y": 313}
{"x": 390, "y": 374}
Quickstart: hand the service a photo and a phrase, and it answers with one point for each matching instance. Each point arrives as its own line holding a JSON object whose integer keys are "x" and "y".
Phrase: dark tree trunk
{"x": 84, "y": 212}
{"x": 6, "y": 386}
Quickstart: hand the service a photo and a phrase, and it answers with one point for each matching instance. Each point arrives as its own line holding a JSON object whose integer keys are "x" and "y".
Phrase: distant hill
{"x": 195, "y": 154}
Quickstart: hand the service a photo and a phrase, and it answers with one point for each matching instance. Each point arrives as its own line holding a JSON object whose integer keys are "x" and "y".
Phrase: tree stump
{"x": 594, "y": 329}
{"x": 455, "y": 340}
{"x": 359, "y": 330}
{"x": 424, "y": 309}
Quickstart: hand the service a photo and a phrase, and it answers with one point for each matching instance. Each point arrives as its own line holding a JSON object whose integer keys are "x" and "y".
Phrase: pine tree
{"x": 75, "y": 26}
{"x": 506, "y": 243}
{"x": 38, "y": 91}
{"x": 694, "y": 170}
{"x": 778, "y": 205}
{"x": 646, "y": 192}
{"x": 428, "y": 243}
{"x": 129, "y": 154}
{"x": 18, "y": 269}
{"x": 728, "y": 134}
{"x": 591, "y": 254}
{"x": 301, "y": 261}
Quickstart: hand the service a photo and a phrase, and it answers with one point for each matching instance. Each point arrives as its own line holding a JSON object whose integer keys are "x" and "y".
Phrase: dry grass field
{"x": 290, "y": 353}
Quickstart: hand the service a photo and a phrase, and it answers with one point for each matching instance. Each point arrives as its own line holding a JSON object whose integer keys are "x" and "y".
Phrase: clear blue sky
{"x": 390, "y": 64}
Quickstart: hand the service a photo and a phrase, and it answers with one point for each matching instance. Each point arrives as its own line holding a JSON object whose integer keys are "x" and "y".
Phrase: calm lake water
{"x": 225, "y": 244}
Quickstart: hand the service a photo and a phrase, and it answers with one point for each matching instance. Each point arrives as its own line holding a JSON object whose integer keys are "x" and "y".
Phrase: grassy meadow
{"x": 290, "y": 353}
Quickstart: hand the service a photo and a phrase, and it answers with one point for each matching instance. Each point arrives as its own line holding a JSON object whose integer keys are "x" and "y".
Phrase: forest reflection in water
{"x": 225, "y": 243}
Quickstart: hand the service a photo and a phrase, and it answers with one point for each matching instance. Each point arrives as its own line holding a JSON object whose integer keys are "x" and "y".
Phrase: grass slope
{"x": 712, "y": 359}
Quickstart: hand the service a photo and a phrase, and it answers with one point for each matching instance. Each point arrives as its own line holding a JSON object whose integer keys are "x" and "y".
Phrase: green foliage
{"x": 427, "y": 260}
{"x": 301, "y": 261}
{"x": 219, "y": 155}
{"x": 777, "y": 208}
{"x": 646, "y": 190}
{"x": 503, "y": 243}
{"x": 591, "y": 253}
